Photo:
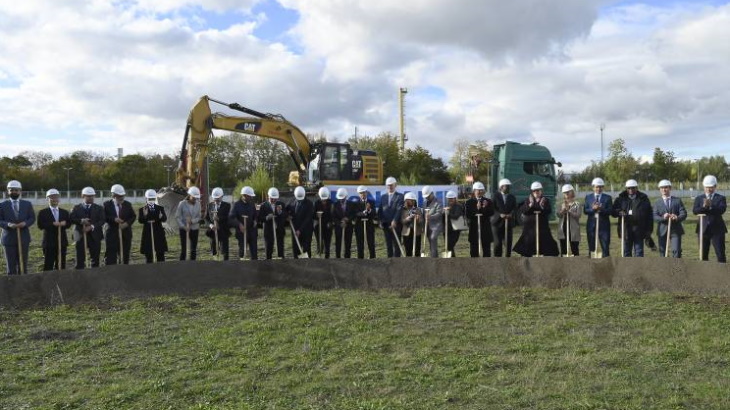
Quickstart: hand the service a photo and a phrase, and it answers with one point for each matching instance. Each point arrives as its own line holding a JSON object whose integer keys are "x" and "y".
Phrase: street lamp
{"x": 168, "y": 168}
{"x": 68, "y": 181}
{"x": 698, "y": 173}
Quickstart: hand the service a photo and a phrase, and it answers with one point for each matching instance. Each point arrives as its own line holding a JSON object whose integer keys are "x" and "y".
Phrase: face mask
{"x": 150, "y": 202}
{"x": 15, "y": 196}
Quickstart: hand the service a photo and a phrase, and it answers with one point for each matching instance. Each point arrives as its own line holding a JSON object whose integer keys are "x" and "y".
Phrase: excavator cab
{"x": 334, "y": 163}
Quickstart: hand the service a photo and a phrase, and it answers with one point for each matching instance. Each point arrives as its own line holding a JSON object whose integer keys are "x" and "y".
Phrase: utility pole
{"x": 68, "y": 182}
{"x": 603, "y": 127}
{"x": 401, "y": 103}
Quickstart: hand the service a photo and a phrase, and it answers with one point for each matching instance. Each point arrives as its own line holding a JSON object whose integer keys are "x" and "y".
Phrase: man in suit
{"x": 364, "y": 208}
{"x": 301, "y": 216}
{"x": 217, "y": 218}
{"x": 635, "y": 218}
{"x": 323, "y": 221}
{"x": 16, "y": 216}
{"x": 598, "y": 207}
{"x": 243, "y": 219}
{"x": 153, "y": 244}
{"x": 54, "y": 221}
{"x": 505, "y": 205}
{"x": 389, "y": 214}
{"x": 478, "y": 209}
{"x": 713, "y": 206}
{"x": 343, "y": 215}
{"x": 272, "y": 216}
{"x": 89, "y": 219}
{"x": 669, "y": 208}
{"x": 119, "y": 215}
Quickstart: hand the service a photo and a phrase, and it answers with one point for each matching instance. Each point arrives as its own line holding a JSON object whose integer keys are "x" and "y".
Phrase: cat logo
{"x": 356, "y": 163}
{"x": 249, "y": 127}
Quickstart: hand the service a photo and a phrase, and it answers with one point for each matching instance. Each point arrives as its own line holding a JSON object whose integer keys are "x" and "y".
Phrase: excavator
{"x": 318, "y": 164}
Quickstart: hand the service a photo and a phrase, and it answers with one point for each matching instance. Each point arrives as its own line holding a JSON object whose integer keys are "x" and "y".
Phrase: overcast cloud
{"x": 100, "y": 75}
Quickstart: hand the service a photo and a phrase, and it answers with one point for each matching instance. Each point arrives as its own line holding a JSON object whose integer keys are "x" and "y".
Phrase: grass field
{"x": 343, "y": 349}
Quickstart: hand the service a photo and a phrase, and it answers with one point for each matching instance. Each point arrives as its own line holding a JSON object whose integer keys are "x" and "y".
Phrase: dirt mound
{"x": 75, "y": 286}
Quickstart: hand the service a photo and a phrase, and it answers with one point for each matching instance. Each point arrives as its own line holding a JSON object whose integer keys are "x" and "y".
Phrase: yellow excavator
{"x": 318, "y": 164}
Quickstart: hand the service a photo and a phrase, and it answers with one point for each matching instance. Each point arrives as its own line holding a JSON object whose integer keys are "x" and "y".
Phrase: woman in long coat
{"x": 535, "y": 211}
{"x": 152, "y": 216}
{"x": 568, "y": 220}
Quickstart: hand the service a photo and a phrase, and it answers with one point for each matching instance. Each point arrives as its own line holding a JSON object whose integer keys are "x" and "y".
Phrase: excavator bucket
{"x": 170, "y": 199}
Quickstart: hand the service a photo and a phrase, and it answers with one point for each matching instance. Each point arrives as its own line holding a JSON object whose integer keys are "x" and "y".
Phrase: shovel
{"x": 669, "y": 234}
{"x": 319, "y": 238}
{"x": 569, "y": 249}
{"x": 623, "y": 235}
{"x": 598, "y": 253}
{"x": 479, "y": 232}
{"x": 413, "y": 233}
{"x": 397, "y": 241}
{"x": 152, "y": 241}
{"x": 302, "y": 254}
{"x": 215, "y": 234}
{"x": 702, "y": 234}
{"x": 425, "y": 233}
{"x": 20, "y": 251}
{"x": 537, "y": 233}
{"x": 276, "y": 242}
{"x": 245, "y": 236}
{"x": 58, "y": 240}
{"x": 446, "y": 253}
{"x": 506, "y": 233}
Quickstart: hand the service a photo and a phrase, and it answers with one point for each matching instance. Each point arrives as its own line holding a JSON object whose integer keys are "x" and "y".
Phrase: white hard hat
{"x": 118, "y": 190}
{"x": 664, "y": 182}
{"x": 361, "y": 189}
{"x": 709, "y": 180}
{"x": 411, "y": 196}
{"x": 194, "y": 192}
{"x": 535, "y": 186}
{"x": 217, "y": 193}
{"x": 631, "y": 183}
{"x": 52, "y": 191}
{"x": 342, "y": 193}
{"x": 88, "y": 191}
{"x": 273, "y": 193}
{"x": 299, "y": 193}
{"x": 324, "y": 193}
{"x": 504, "y": 181}
{"x": 598, "y": 182}
{"x": 477, "y": 185}
{"x": 390, "y": 181}
{"x": 14, "y": 184}
{"x": 426, "y": 191}
{"x": 451, "y": 194}
{"x": 567, "y": 188}
{"x": 150, "y": 194}
{"x": 247, "y": 190}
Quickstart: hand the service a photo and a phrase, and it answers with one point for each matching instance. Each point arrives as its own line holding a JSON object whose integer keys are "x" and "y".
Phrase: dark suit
{"x": 51, "y": 235}
{"x": 476, "y": 223}
{"x": 302, "y": 214}
{"x": 278, "y": 210}
{"x": 152, "y": 225}
{"x": 364, "y": 231}
{"x": 388, "y": 212}
{"x": 224, "y": 230}
{"x": 638, "y": 221}
{"x": 503, "y": 204}
{"x": 326, "y": 208}
{"x": 676, "y": 207}
{"x": 126, "y": 213}
{"x": 535, "y": 214}
{"x": 343, "y": 213}
{"x": 604, "y": 224}
{"x": 713, "y": 228}
{"x": 9, "y": 237}
{"x": 236, "y": 220}
{"x": 95, "y": 214}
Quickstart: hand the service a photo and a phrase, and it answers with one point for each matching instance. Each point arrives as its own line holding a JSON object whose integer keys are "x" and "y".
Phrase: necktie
{"x": 119, "y": 210}
{"x": 667, "y": 202}
{"x": 55, "y": 213}
{"x": 390, "y": 199}
{"x": 16, "y": 207}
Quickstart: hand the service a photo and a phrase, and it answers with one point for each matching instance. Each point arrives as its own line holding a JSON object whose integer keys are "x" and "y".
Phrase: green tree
{"x": 620, "y": 165}
{"x": 386, "y": 146}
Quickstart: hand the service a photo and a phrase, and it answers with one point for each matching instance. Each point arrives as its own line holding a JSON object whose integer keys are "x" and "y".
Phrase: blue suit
{"x": 10, "y": 235}
{"x": 388, "y": 212}
{"x": 676, "y": 207}
{"x": 713, "y": 228}
{"x": 604, "y": 224}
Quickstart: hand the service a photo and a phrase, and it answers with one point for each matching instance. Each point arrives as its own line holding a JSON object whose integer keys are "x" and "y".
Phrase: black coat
{"x": 502, "y": 205}
{"x": 526, "y": 245}
{"x": 96, "y": 216}
{"x": 224, "y": 210}
{"x": 236, "y": 218}
{"x": 302, "y": 216}
{"x": 713, "y": 222}
{"x": 152, "y": 222}
{"x": 50, "y": 232}
{"x": 641, "y": 218}
{"x": 471, "y": 211}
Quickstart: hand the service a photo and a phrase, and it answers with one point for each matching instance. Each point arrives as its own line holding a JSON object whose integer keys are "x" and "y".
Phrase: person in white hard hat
{"x": 243, "y": 219}
{"x": 152, "y": 216}
{"x": 89, "y": 219}
{"x": 505, "y": 206}
{"x": 119, "y": 215}
{"x": 713, "y": 206}
{"x": 364, "y": 227}
{"x": 301, "y": 214}
{"x": 536, "y": 210}
{"x": 412, "y": 222}
{"x": 51, "y": 220}
{"x": 323, "y": 204}
{"x": 569, "y": 217}
{"x": 456, "y": 222}
{"x": 598, "y": 207}
{"x": 188, "y": 215}
{"x": 668, "y": 208}
{"x": 272, "y": 214}
{"x": 391, "y": 204}
{"x": 478, "y": 210}
{"x": 633, "y": 209}
{"x": 216, "y": 216}
{"x": 344, "y": 214}
{"x": 434, "y": 211}
{"x": 16, "y": 216}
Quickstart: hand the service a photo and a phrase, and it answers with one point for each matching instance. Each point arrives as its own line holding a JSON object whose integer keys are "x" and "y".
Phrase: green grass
{"x": 344, "y": 349}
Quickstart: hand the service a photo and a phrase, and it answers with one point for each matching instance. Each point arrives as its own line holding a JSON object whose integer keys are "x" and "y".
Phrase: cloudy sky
{"x": 101, "y": 74}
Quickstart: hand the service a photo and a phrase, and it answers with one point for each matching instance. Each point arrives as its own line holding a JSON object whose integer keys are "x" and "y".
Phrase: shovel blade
{"x": 303, "y": 256}
{"x": 446, "y": 254}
